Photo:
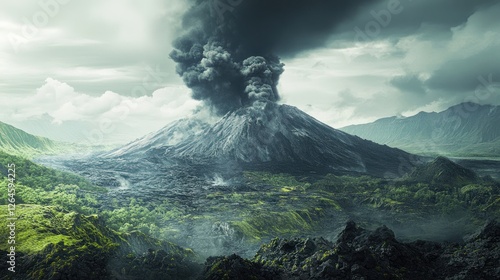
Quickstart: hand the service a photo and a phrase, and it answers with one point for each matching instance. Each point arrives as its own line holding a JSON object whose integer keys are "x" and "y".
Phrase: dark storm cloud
{"x": 397, "y": 18}
{"x": 229, "y": 54}
{"x": 467, "y": 74}
{"x": 408, "y": 83}
{"x": 449, "y": 13}
{"x": 286, "y": 27}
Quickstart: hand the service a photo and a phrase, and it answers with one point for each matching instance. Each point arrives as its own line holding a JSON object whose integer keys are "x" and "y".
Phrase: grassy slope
{"x": 57, "y": 238}
{"x": 52, "y": 243}
{"x": 55, "y": 241}
{"x": 18, "y": 142}
{"x": 37, "y": 176}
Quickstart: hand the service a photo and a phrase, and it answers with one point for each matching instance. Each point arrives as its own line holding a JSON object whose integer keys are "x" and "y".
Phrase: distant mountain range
{"x": 17, "y": 142}
{"x": 467, "y": 129}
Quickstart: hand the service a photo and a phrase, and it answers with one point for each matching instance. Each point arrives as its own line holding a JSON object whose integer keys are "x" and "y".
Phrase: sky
{"x": 100, "y": 72}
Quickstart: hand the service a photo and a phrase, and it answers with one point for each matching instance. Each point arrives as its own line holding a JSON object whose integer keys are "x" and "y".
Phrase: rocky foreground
{"x": 364, "y": 254}
{"x": 58, "y": 244}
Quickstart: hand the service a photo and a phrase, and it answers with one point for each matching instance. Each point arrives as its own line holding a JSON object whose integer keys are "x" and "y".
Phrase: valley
{"x": 222, "y": 213}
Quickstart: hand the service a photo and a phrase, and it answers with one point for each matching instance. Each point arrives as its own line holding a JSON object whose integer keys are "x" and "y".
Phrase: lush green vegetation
{"x": 67, "y": 245}
{"x": 272, "y": 205}
{"x": 69, "y": 197}
{"x": 480, "y": 198}
{"x": 36, "y": 184}
{"x": 154, "y": 220}
{"x": 284, "y": 205}
{"x": 37, "y": 226}
{"x": 38, "y": 176}
{"x": 57, "y": 241}
{"x": 18, "y": 142}
{"x": 60, "y": 226}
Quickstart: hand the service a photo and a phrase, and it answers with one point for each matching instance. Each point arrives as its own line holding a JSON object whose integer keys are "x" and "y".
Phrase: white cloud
{"x": 367, "y": 69}
{"x": 103, "y": 44}
{"x": 316, "y": 81}
{"x": 477, "y": 34}
{"x": 63, "y": 104}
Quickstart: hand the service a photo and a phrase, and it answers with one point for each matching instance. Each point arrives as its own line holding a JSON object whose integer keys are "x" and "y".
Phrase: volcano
{"x": 272, "y": 137}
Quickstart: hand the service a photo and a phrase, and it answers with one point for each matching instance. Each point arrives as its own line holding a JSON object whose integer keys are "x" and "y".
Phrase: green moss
{"x": 247, "y": 230}
{"x": 329, "y": 202}
{"x": 326, "y": 255}
{"x": 59, "y": 241}
{"x": 285, "y": 182}
{"x": 38, "y": 226}
{"x": 263, "y": 224}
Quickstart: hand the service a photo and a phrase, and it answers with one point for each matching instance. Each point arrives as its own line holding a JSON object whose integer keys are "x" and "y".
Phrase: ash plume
{"x": 228, "y": 54}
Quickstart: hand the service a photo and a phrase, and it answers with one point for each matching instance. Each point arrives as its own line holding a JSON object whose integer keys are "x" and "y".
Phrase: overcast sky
{"x": 74, "y": 69}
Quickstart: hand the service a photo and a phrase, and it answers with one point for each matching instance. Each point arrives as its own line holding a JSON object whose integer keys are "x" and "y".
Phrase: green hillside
{"x": 59, "y": 234}
{"x": 17, "y": 142}
{"x": 53, "y": 243}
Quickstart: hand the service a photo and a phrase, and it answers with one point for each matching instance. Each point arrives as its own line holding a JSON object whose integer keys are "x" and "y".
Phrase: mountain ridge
{"x": 18, "y": 142}
{"x": 466, "y": 129}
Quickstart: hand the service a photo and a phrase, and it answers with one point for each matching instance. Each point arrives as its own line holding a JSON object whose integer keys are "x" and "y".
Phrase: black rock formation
{"x": 362, "y": 254}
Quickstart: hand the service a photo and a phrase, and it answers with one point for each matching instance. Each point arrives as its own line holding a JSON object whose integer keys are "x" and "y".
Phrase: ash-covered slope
{"x": 282, "y": 136}
{"x": 171, "y": 134}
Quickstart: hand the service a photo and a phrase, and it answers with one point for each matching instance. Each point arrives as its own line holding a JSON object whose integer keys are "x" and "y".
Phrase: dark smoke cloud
{"x": 228, "y": 55}
{"x": 408, "y": 83}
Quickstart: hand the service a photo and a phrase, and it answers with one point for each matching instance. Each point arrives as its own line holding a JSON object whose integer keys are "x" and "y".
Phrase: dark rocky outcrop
{"x": 478, "y": 258}
{"x": 235, "y": 267}
{"x": 357, "y": 254}
{"x": 443, "y": 171}
{"x": 364, "y": 254}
